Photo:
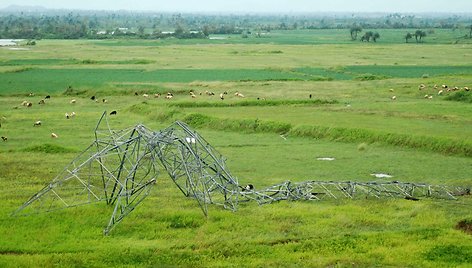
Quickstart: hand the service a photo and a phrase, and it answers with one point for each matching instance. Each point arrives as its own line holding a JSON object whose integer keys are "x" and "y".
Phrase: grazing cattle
{"x": 113, "y": 113}
{"x": 24, "y": 103}
{"x": 466, "y": 89}
{"x": 73, "y": 101}
{"x": 136, "y": 93}
{"x": 31, "y": 94}
{"x": 411, "y": 198}
{"x": 249, "y": 187}
{"x": 4, "y": 138}
{"x": 41, "y": 102}
{"x": 391, "y": 90}
{"x": 444, "y": 86}
{"x": 54, "y": 135}
{"x": 440, "y": 92}
{"x": 421, "y": 86}
{"x": 157, "y": 95}
{"x": 169, "y": 97}
{"x": 240, "y": 95}
{"x": 222, "y": 96}
{"x": 29, "y": 104}
{"x": 72, "y": 114}
{"x": 67, "y": 115}
{"x": 104, "y": 100}
{"x": 47, "y": 97}
{"x": 92, "y": 98}
{"x": 310, "y": 96}
{"x": 145, "y": 95}
{"x": 37, "y": 123}
{"x": 394, "y": 97}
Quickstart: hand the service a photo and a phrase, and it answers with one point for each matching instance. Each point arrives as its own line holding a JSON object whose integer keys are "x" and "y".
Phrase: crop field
{"x": 308, "y": 95}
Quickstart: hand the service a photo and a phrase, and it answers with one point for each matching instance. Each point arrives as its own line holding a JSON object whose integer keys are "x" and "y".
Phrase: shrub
{"x": 461, "y": 96}
{"x": 48, "y": 148}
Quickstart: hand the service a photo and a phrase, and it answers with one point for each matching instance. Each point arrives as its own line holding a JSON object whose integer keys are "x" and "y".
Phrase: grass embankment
{"x": 339, "y": 134}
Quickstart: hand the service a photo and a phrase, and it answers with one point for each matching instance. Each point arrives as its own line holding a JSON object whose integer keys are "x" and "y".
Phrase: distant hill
{"x": 19, "y": 8}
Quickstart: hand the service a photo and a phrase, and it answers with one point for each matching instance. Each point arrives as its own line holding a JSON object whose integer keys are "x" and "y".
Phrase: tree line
{"x": 369, "y": 35}
{"x": 105, "y": 24}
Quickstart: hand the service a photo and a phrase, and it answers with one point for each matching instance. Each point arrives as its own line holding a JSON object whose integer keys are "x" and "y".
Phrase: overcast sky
{"x": 281, "y": 6}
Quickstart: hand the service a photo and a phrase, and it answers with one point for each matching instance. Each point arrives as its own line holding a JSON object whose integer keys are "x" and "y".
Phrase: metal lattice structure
{"x": 120, "y": 167}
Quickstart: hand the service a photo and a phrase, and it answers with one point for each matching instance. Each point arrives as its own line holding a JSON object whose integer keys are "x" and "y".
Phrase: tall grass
{"x": 434, "y": 144}
{"x": 245, "y": 125}
{"x": 461, "y": 96}
{"x": 246, "y": 103}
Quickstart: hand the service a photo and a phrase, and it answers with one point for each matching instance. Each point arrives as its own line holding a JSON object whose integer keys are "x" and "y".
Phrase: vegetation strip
{"x": 251, "y": 103}
{"x": 433, "y": 144}
{"x": 49, "y": 149}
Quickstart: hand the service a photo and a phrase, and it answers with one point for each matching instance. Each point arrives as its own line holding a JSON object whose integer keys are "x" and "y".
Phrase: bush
{"x": 461, "y": 96}
{"x": 48, "y": 148}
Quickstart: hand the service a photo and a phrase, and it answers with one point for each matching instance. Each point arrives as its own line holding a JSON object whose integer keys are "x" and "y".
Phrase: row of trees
{"x": 418, "y": 34}
{"x": 369, "y": 35}
{"x": 103, "y": 24}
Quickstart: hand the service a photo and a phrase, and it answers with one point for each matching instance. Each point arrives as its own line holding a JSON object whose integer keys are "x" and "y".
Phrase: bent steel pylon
{"x": 120, "y": 167}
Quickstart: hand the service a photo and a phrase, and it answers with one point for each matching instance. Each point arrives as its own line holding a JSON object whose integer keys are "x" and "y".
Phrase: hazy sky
{"x": 284, "y": 6}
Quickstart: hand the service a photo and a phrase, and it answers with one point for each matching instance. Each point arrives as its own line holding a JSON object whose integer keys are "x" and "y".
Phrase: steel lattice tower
{"x": 120, "y": 167}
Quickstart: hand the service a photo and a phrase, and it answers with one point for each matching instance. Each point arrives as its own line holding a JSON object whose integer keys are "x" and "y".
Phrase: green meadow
{"x": 307, "y": 95}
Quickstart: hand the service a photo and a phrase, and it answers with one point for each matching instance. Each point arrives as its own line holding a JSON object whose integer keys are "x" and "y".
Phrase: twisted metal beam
{"x": 321, "y": 190}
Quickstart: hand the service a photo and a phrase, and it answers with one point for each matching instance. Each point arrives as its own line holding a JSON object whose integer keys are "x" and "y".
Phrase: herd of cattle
{"x": 439, "y": 90}
{"x": 429, "y": 90}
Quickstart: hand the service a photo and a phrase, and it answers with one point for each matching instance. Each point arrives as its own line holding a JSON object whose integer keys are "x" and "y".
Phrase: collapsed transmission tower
{"x": 120, "y": 167}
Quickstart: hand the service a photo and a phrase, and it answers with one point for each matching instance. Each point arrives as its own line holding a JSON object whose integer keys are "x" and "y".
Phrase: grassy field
{"x": 274, "y": 134}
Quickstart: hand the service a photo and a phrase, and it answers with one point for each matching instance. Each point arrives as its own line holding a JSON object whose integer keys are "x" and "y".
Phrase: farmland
{"x": 308, "y": 94}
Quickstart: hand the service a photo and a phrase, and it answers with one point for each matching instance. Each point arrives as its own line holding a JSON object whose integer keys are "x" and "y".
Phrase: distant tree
{"x": 419, "y": 35}
{"x": 141, "y": 31}
{"x": 470, "y": 31}
{"x": 375, "y": 36}
{"x": 206, "y": 30}
{"x": 408, "y": 36}
{"x": 179, "y": 31}
{"x": 354, "y": 31}
{"x": 367, "y": 36}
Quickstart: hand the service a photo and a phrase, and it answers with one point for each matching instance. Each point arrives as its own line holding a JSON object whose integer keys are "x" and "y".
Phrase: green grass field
{"x": 350, "y": 116}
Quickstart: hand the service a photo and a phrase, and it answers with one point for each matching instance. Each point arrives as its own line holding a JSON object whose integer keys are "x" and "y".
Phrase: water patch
{"x": 381, "y": 175}
{"x": 17, "y": 48}
{"x": 9, "y": 42}
{"x": 326, "y": 158}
